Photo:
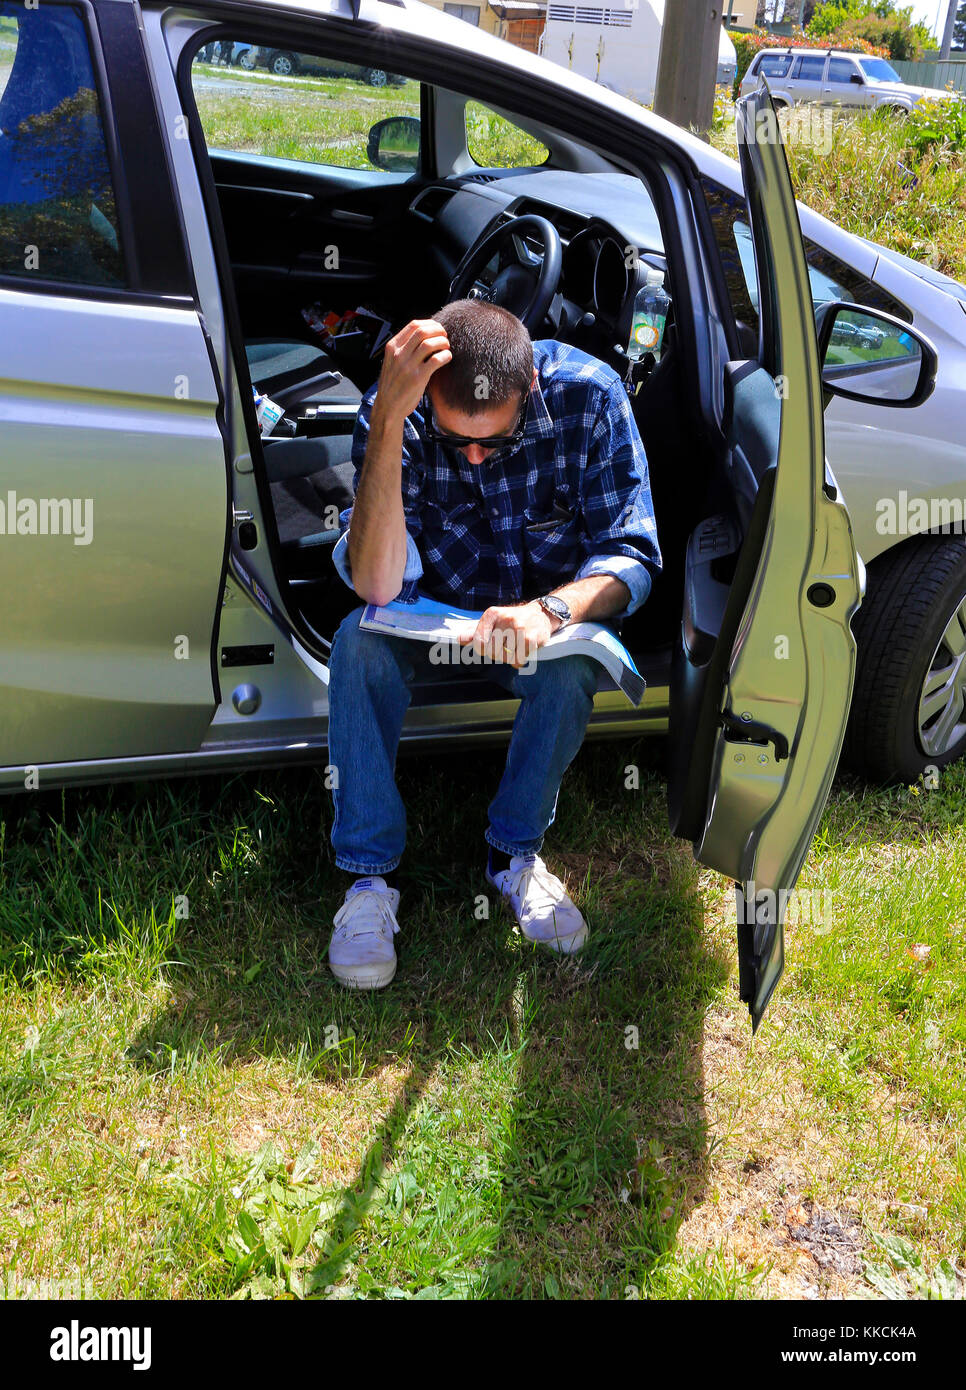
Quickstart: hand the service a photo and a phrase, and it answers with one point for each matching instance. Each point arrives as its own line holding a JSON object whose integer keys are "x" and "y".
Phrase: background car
{"x": 285, "y": 63}
{"x": 836, "y": 77}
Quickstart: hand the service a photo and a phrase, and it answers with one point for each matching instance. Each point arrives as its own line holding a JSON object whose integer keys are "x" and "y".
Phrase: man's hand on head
{"x": 409, "y": 360}
{"x": 511, "y": 634}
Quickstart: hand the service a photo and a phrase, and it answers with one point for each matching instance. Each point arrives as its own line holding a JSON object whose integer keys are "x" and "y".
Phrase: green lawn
{"x": 190, "y": 1107}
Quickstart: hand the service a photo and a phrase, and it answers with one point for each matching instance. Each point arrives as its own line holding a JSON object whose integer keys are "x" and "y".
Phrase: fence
{"x": 934, "y": 74}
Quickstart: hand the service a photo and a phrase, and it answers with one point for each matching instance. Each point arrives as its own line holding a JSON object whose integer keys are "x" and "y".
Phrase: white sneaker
{"x": 361, "y": 952}
{"x": 540, "y": 903}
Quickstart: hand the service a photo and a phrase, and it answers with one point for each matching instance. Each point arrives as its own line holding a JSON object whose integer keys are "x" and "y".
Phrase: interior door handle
{"x": 344, "y": 215}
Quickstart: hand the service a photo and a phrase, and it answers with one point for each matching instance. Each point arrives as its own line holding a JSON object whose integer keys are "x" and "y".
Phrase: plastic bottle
{"x": 650, "y": 315}
{"x": 269, "y": 414}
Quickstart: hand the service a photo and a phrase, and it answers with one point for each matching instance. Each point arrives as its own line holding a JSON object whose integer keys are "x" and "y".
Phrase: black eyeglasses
{"x": 463, "y": 441}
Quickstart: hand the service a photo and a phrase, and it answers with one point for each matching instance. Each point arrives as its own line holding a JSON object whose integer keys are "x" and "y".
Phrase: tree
{"x": 879, "y": 22}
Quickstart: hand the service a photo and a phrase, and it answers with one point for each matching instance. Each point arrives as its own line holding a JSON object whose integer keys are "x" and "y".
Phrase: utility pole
{"x": 947, "y": 42}
{"x": 688, "y": 62}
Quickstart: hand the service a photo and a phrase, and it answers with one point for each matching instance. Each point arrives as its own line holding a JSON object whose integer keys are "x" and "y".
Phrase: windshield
{"x": 879, "y": 70}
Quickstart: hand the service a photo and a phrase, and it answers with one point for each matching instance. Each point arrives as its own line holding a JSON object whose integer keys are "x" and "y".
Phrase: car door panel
{"x": 109, "y": 408}
{"x": 763, "y": 675}
{"x": 283, "y": 219}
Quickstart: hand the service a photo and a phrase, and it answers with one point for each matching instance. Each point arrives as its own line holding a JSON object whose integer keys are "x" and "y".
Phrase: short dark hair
{"x": 492, "y": 357}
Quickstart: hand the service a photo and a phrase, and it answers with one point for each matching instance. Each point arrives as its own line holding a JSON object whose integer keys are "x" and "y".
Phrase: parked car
{"x": 170, "y": 593}
{"x": 836, "y": 77}
{"x": 284, "y": 63}
{"x": 229, "y": 54}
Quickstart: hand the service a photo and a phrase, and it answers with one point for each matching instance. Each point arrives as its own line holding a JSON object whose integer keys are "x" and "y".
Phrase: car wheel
{"x": 247, "y": 60}
{"x": 909, "y": 704}
{"x": 376, "y": 77}
{"x": 283, "y": 65}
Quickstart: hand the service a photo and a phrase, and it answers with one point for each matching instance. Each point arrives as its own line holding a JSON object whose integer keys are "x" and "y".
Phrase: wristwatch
{"x": 556, "y": 607}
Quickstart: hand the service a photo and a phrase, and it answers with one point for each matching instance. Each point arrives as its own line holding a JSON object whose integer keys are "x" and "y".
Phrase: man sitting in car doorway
{"x": 499, "y": 474}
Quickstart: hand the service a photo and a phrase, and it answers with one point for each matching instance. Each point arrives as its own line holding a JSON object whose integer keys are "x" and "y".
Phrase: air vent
{"x": 430, "y": 202}
{"x": 591, "y": 14}
{"x": 481, "y": 178}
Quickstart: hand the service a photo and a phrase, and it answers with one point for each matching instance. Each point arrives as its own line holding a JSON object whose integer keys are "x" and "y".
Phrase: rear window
{"x": 58, "y": 215}
{"x": 774, "y": 64}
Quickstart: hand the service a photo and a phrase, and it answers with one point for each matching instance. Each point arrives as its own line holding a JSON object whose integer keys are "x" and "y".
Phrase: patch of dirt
{"x": 835, "y": 1243}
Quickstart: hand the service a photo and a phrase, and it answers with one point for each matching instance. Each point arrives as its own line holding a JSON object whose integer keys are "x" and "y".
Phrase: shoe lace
{"x": 354, "y": 918}
{"x": 536, "y": 875}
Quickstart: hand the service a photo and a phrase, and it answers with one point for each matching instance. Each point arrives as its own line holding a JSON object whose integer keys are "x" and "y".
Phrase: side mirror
{"x": 858, "y": 79}
{"x": 871, "y": 356}
{"x": 394, "y": 144}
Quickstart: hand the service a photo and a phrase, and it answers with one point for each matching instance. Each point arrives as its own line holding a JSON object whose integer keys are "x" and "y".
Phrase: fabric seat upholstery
{"x": 277, "y": 363}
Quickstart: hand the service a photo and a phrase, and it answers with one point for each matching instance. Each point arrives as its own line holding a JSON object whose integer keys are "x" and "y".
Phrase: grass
{"x": 901, "y": 182}
{"x": 190, "y": 1107}
{"x": 327, "y": 121}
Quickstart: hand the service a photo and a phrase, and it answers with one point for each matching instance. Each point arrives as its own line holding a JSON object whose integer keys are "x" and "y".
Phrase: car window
{"x": 495, "y": 143}
{"x": 878, "y": 70}
{"x": 841, "y": 70}
{"x": 809, "y": 68}
{"x": 283, "y": 104}
{"x": 58, "y": 214}
{"x": 830, "y": 278}
{"x": 774, "y": 64}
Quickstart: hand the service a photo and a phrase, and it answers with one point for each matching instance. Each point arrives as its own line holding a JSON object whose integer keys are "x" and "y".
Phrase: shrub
{"x": 937, "y": 123}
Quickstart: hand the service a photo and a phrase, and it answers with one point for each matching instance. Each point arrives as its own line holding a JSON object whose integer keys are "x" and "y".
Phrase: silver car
{"x": 154, "y": 266}
{"x": 836, "y": 77}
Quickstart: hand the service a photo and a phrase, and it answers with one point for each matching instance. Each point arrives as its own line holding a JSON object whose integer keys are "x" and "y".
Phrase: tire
{"x": 247, "y": 60}
{"x": 915, "y": 603}
{"x": 376, "y": 77}
{"x": 283, "y": 65}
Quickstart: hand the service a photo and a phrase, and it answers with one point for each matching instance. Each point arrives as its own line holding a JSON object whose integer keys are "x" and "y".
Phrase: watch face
{"x": 556, "y": 606}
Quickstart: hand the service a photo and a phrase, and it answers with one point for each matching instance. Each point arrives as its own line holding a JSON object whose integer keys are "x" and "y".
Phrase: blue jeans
{"x": 370, "y": 680}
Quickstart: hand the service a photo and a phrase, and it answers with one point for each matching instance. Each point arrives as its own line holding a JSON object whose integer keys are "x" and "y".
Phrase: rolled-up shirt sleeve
{"x": 621, "y": 533}
{"x": 411, "y": 492}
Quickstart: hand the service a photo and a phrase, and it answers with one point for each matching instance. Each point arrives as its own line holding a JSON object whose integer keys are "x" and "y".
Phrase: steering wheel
{"x": 524, "y": 286}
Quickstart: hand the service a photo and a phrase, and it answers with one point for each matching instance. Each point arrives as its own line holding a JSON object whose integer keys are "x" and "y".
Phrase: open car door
{"x": 763, "y": 672}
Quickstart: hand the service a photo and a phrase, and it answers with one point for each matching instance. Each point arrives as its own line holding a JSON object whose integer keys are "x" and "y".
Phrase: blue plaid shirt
{"x": 571, "y": 500}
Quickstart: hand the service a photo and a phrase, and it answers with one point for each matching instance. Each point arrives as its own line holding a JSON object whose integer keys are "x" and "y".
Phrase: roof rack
{"x": 803, "y": 48}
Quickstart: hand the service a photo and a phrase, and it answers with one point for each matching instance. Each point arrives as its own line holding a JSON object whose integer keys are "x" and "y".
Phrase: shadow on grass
{"x": 600, "y": 1146}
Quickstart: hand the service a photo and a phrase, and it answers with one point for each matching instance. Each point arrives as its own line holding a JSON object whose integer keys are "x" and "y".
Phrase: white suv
{"x": 835, "y": 77}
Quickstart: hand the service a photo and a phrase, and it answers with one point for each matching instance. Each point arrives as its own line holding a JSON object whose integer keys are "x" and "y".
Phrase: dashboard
{"x": 604, "y": 262}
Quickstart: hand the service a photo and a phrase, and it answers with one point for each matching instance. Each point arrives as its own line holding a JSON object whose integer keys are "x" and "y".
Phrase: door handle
{"x": 362, "y": 219}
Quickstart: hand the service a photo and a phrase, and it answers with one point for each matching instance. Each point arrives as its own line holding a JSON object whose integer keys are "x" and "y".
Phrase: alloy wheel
{"x": 942, "y": 701}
